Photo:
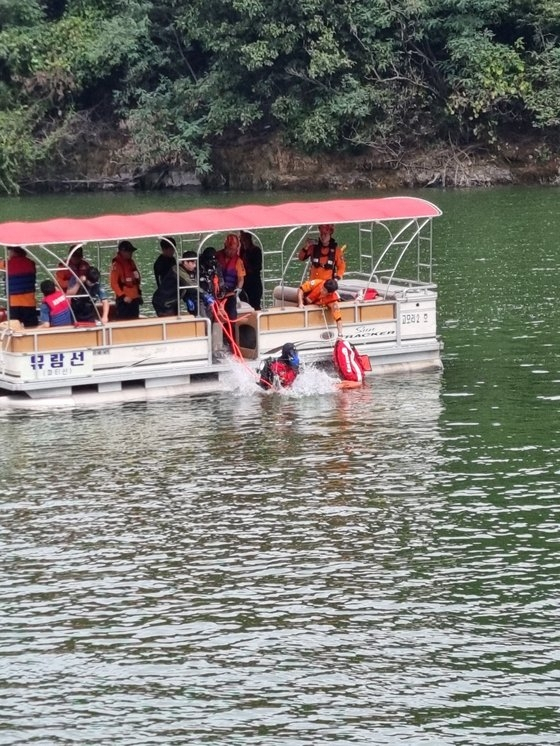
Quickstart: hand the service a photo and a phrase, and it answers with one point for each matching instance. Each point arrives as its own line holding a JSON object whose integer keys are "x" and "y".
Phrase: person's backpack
{"x": 266, "y": 380}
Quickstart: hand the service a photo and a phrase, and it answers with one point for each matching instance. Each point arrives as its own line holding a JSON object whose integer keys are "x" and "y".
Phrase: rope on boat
{"x": 226, "y": 324}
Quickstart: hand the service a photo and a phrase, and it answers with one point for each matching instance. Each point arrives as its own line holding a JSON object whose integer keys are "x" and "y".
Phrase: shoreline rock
{"x": 268, "y": 165}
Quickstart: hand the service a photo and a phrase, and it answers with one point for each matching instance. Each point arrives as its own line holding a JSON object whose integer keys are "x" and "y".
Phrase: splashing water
{"x": 241, "y": 379}
{"x": 310, "y": 381}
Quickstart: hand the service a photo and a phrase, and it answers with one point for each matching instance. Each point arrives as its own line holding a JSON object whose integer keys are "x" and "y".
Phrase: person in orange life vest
{"x": 55, "y": 308}
{"x": 251, "y": 255}
{"x": 21, "y": 276}
{"x": 125, "y": 282}
{"x": 326, "y": 258}
{"x": 322, "y": 293}
{"x": 75, "y": 265}
{"x": 233, "y": 271}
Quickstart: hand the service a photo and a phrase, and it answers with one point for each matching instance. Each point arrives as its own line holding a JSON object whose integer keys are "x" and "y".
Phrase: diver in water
{"x": 280, "y": 372}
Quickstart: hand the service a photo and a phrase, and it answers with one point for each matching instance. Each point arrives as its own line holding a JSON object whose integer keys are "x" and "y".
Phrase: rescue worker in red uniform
{"x": 325, "y": 256}
{"x": 125, "y": 282}
{"x": 282, "y": 372}
{"x": 322, "y": 293}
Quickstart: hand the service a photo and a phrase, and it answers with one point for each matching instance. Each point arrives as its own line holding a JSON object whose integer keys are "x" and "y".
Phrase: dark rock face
{"x": 268, "y": 165}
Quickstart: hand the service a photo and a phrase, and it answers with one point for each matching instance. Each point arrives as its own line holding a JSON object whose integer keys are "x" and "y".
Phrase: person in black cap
{"x": 180, "y": 283}
{"x": 166, "y": 260}
{"x": 125, "y": 282}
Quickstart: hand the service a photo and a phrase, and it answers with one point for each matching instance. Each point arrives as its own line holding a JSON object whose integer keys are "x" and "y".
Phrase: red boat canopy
{"x": 213, "y": 220}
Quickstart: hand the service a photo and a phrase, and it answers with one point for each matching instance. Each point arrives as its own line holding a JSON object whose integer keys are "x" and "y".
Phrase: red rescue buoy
{"x": 349, "y": 364}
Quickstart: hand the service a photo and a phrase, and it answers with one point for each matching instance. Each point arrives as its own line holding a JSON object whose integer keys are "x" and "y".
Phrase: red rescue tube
{"x": 348, "y": 362}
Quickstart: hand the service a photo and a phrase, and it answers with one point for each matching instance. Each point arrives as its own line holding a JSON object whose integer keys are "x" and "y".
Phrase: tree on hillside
{"x": 179, "y": 78}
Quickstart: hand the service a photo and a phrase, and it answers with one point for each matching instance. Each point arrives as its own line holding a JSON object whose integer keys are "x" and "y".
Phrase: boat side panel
{"x": 418, "y": 318}
{"x": 51, "y": 340}
{"x": 375, "y": 312}
{"x": 187, "y": 329}
{"x": 139, "y": 331}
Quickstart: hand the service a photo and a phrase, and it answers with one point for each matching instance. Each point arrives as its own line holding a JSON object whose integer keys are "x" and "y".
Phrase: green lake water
{"x": 375, "y": 566}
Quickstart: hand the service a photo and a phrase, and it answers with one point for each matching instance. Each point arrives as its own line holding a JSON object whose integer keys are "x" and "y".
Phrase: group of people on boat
{"x": 72, "y": 295}
{"x": 76, "y": 294}
{"x": 226, "y": 274}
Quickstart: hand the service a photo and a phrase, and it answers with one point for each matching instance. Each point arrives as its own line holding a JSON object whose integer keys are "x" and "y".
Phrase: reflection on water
{"x": 374, "y": 566}
{"x": 265, "y": 569}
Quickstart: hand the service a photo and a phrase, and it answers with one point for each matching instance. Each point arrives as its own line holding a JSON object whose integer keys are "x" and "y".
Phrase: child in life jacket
{"x": 282, "y": 372}
{"x": 55, "y": 307}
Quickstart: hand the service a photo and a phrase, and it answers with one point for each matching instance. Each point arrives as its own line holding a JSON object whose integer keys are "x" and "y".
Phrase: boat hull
{"x": 156, "y": 357}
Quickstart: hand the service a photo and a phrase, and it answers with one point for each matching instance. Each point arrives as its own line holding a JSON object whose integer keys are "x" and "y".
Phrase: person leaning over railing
{"x": 322, "y": 293}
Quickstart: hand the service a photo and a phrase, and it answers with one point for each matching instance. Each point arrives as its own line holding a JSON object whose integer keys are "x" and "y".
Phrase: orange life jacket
{"x": 312, "y": 289}
{"x": 125, "y": 277}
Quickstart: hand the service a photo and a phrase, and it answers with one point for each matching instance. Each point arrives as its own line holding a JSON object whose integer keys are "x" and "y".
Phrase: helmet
{"x": 331, "y": 286}
{"x": 289, "y": 354}
{"x": 326, "y": 228}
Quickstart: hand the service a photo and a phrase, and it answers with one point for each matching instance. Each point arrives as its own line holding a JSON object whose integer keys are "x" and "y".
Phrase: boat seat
{"x": 287, "y": 296}
{"x": 284, "y": 295}
{"x": 14, "y": 325}
{"x": 352, "y": 288}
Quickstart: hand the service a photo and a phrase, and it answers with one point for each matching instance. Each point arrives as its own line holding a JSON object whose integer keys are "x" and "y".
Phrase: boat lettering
{"x": 60, "y": 364}
{"x": 411, "y": 318}
{"x": 362, "y": 332}
{"x": 57, "y": 360}
{"x": 415, "y": 318}
{"x": 102, "y": 351}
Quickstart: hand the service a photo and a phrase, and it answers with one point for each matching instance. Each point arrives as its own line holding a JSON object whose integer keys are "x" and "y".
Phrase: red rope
{"x": 226, "y": 324}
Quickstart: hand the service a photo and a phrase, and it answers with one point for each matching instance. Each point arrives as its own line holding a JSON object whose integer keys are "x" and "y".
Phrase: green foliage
{"x": 484, "y": 77}
{"x": 20, "y": 13}
{"x": 17, "y": 148}
{"x": 63, "y": 57}
{"x": 543, "y": 96}
{"x": 183, "y": 77}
